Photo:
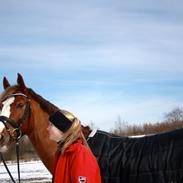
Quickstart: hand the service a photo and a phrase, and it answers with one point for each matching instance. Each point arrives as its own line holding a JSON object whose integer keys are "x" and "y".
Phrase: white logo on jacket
{"x": 82, "y": 179}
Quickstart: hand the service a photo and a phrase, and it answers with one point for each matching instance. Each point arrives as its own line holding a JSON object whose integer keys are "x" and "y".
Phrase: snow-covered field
{"x": 32, "y": 171}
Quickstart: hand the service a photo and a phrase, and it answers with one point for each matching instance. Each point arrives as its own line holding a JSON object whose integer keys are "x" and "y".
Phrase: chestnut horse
{"x": 32, "y": 120}
{"x": 151, "y": 159}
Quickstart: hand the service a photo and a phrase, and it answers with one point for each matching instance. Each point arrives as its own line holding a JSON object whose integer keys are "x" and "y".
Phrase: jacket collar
{"x": 73, "y": 146}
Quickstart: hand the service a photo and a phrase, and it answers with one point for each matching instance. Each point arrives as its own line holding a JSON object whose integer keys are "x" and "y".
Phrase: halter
{"x": 17, "y": 128}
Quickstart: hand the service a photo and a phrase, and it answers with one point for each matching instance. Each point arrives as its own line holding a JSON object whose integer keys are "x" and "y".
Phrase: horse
{"x": 157, "y": 158}
{"x": 29, "y": 112}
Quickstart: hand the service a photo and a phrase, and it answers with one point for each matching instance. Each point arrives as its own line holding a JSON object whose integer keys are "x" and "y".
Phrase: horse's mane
{"x": 50, "y": 108}
{"x": 45, "y": 104}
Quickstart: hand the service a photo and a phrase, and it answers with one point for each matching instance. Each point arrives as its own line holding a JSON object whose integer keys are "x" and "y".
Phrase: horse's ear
{"x": 6, "y": 83}
{"x": 20, "y": 81}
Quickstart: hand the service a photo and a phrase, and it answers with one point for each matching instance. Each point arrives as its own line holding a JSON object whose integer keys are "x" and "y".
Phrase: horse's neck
{"x": 39, "y": 136}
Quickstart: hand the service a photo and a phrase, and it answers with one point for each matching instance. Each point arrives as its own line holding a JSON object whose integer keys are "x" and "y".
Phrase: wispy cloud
{"x": 117, "y": 58}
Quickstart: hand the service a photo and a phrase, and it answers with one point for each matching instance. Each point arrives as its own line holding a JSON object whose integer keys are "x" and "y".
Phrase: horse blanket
{"x": 150, "y": 159}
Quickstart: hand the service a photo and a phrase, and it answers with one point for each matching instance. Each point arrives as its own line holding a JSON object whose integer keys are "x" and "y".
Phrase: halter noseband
{"x": 16, "y": 125}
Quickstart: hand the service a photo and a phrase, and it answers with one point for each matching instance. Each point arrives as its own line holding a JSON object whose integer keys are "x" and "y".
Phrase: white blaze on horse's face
{"x": 6, "y": 110}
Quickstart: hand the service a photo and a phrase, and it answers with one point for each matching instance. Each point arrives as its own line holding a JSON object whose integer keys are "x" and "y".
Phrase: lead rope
{"x": 7, "y": 169}
{"x": 18, "y": 164}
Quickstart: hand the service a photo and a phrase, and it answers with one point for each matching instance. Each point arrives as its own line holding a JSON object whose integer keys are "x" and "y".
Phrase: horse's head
{"x": 15, "y": 109}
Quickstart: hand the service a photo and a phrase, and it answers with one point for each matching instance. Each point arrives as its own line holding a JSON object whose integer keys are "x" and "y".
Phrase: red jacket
{"x": 76, "y": 164}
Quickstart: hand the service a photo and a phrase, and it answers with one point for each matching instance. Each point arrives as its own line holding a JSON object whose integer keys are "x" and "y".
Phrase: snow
{"x": 32, "y": 171}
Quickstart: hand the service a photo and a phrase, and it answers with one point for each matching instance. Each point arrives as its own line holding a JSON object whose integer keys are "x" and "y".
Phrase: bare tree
{"x": 175, "y": 115}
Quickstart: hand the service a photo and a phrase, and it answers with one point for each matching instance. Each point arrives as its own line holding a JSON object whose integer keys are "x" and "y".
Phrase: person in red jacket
{"x": 73, "y": 161}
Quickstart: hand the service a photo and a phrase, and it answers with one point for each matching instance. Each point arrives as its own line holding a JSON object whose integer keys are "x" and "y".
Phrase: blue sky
{"x": 99, "y": 59}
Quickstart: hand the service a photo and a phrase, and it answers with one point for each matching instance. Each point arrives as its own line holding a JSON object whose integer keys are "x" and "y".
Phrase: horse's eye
{"x": 19, "y": 105}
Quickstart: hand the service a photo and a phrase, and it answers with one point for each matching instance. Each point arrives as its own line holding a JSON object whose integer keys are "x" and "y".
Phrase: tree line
{"x": 172, "y": 120}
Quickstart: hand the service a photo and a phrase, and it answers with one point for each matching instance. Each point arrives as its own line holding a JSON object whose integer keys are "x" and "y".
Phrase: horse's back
{"x": 156, "y": 158}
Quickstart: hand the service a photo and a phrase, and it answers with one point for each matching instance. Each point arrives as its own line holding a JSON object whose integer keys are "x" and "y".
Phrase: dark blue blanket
{"x": 150, "y": 159}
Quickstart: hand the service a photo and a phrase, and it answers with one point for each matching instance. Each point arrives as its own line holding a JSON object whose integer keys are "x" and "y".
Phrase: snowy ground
{"x": 32, "y": 171}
